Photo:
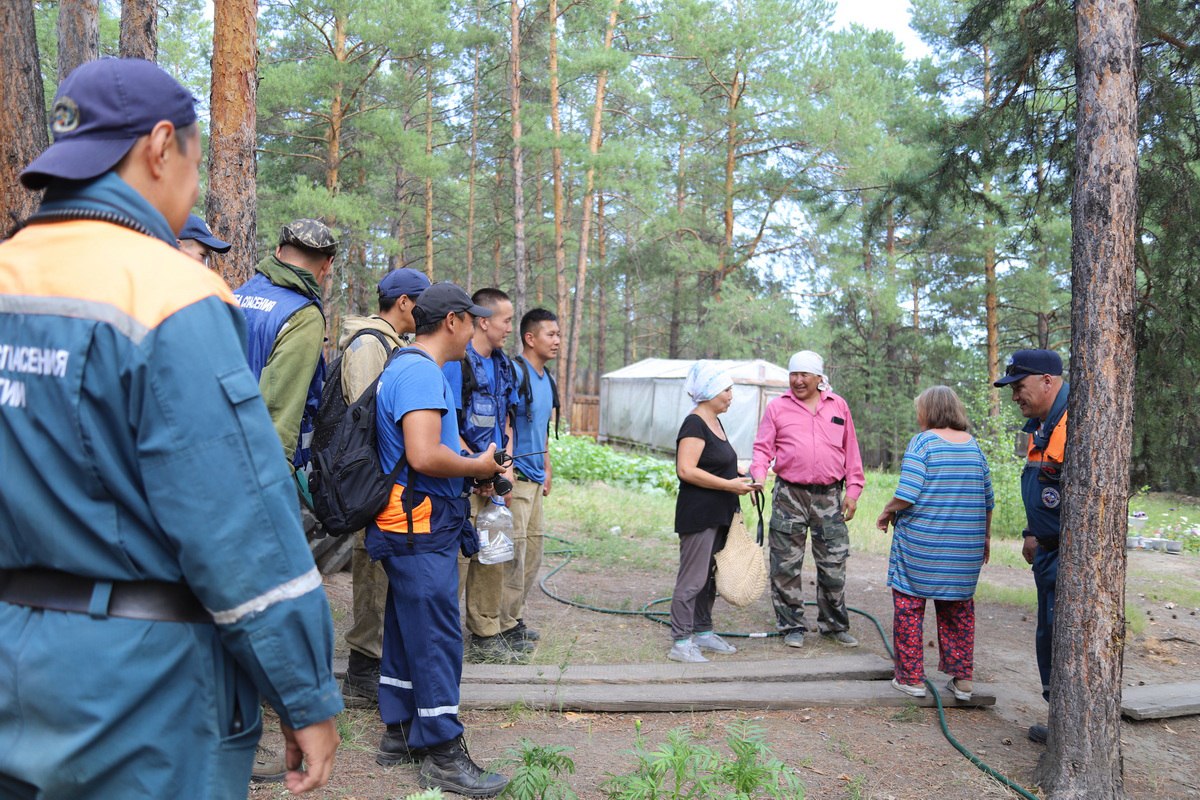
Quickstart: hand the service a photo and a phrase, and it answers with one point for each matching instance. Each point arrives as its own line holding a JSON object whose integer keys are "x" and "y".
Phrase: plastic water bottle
{"x": 494, "y": 524}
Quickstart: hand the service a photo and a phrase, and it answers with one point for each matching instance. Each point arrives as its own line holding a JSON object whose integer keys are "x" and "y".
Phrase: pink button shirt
{"x": 808, "y": 447}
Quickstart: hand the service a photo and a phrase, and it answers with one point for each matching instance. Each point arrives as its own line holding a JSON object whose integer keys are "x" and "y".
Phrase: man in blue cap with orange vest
{"x": 1040, "y": 392}
{"x": 154, "y": 579}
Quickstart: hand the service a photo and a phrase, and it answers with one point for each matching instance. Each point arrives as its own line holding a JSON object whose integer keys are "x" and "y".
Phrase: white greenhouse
{"x": 643, "y": 404}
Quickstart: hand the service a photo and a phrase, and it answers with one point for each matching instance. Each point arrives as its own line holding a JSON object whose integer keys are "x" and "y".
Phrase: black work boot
{"x": 394, "y": 749}
{"x": 448, "y": 766}
{"x": 360, "y": 687}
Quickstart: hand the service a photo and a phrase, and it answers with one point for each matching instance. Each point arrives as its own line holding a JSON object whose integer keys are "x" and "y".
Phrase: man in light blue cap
{"x": 197, "y": 241}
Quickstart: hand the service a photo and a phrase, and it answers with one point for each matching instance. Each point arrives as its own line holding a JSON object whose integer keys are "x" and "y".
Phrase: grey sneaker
{"x": 917, "y": 690}
{"x": 686, "y": 652}
{"x": 794, "y": 639}
{"x": 1038, "y": 734}
{"x": 843, "y": 638}
{"x": 960, "y": 688}
{"x": 711, "y": 641}
{"x": 269, "y": 766}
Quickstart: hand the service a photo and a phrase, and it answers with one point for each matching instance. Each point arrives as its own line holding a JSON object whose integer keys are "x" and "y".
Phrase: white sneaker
{"x": 911, "y": 691}
{"x": 686, "y": 652}
{"x": 711, "y": 641}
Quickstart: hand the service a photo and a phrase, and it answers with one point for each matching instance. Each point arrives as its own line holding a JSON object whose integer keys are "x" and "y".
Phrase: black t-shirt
{"x": 698, "y": 508}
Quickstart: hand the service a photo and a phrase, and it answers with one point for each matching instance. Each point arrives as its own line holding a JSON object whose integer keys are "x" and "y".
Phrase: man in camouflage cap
{"x": 311, "y": 235}
{"x": 286, "y": 332}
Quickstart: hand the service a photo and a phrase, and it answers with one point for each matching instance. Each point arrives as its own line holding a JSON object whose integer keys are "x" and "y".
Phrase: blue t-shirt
{"x": 531, "y": 435}
{"x": 414, "y": 383}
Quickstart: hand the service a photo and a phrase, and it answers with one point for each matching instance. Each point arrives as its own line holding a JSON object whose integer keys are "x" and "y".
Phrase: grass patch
{"x": 1135, "y": 619}
{"x": 1175, "y": 590}
{"x": 1019, "y": 596}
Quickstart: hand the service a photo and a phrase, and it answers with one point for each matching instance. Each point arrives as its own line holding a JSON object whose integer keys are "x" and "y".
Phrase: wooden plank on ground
{"x": 865, "y": 666}
{"x": 1161, "y": 701}
{"x": 702, "y": 696}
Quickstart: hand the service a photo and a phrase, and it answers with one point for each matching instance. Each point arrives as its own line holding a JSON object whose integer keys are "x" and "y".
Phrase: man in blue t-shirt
{"x": 481, "y": 384}
{"x": 417, "y": 537}
{"x": 534, "y": 398}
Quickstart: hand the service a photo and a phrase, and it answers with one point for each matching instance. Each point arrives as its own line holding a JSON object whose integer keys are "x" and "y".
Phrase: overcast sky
{"x": 890, "y": 15}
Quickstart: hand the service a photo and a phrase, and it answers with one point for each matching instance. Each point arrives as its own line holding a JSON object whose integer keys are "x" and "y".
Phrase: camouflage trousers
{"x": 794, "y": 513}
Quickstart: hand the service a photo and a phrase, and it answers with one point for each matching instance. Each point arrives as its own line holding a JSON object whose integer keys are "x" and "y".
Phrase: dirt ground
{"x": 884, "y": 753}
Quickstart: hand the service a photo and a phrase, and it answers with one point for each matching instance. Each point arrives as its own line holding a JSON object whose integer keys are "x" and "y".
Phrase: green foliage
{"x": 540, "y": 772}
{"x": 683, "y": 768}
{"x": 579, "y": 459}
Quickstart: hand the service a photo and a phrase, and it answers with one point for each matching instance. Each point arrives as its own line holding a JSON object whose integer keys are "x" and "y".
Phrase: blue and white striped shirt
{"x": 937, "y": 548}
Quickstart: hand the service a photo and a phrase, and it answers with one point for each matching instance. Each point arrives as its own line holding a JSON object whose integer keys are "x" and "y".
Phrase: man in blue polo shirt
{"x": 534, "y": 399}
{"x": 418, "y": 536}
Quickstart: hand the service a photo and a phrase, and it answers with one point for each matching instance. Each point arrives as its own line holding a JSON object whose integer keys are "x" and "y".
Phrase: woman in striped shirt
{"x": 942, "y": 518}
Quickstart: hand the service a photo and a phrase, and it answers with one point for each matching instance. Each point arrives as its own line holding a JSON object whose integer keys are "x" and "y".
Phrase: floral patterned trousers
{"x": 956, "y": 637}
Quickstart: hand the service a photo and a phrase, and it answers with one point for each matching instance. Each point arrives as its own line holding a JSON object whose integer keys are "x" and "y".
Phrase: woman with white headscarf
{"x": 708, "y": 497}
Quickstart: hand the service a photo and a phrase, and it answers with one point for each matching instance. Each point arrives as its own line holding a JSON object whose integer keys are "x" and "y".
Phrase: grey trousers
{"x": 696, "y": 583}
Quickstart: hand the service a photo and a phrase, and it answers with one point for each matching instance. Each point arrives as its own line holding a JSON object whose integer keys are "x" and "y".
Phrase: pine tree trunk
{"x": 78, "y": 34}
{"x": 585, "y": 224}
{"x": 518, "y": 158}
{"x": 473, "y": 160}
{"x": 139, "y": 29}
{"x": 22, "y": 111}
{"x": 1083, "y": 761}
{"x": 231, "y": 202}
{"x": 563, "y": 298}
{"x": 429, "y": 160}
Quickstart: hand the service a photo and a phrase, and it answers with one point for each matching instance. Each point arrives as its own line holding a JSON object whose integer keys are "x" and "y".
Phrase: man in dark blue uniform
{"x": 418, "y": 536}
{"x": 1040, "y": 392}
{"x": 154, "y": 579}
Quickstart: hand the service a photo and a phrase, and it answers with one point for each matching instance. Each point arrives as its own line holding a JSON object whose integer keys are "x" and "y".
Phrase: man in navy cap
{"x": 154, "y": 579}
{"x": 366, "y": 343}
{"x": 197, "y": 241}
{"x": 1040, "y": 392}
{"x": 418, "y": 536}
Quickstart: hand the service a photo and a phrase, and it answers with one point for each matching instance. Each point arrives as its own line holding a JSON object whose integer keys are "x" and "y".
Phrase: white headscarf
{"x": 810, "y": 362}
{"x": 705, "y": 380}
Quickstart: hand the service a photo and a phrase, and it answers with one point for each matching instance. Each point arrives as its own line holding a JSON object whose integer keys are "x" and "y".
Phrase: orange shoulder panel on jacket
{"x": 105, "y": 263}
{"x": 1056, "y": 448}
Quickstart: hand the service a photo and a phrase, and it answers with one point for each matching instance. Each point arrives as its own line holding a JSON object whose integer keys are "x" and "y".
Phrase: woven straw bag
{"x": 742, "y": 563}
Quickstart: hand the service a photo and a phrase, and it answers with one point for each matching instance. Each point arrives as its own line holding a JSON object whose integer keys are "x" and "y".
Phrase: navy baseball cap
{"x": 195, "y": 228}
{"x": 1030, "y": 362}
{"x": 403, "y": 282}
{"x": 445, "y": 298}
{"x": 100, "y": 110}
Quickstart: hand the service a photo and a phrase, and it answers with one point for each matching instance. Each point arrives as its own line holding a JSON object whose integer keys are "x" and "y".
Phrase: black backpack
{"x": 348, "y": 484}
{"x": 332, "y": 409}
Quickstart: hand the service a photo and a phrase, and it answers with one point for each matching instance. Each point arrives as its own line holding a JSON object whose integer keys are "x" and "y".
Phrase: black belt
{"x": 1048, "y": 543}
{"x": 817, "y": 487}
{"x": 62, "y": 591}
{"x": 517, "y": 474}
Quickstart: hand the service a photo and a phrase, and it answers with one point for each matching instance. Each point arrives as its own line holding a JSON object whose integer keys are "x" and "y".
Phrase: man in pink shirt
{"x": 809, "y": 435}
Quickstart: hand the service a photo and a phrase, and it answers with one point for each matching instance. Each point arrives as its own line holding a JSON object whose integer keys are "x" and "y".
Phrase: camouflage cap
{"x": 309, "y": 234}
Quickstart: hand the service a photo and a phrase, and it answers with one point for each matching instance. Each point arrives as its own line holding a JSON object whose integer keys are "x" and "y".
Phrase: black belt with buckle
{"x": 61, "y": 591}
{"x": 1048, "y": 543}
{"x": 517, "y": 474}
{"x": 818, "y": 487}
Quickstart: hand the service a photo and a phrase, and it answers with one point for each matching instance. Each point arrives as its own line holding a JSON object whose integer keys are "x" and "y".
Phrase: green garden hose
{"x": 663, "y": 618}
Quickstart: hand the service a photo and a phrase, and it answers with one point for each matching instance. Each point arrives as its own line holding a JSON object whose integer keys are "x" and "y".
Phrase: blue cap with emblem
{"x": 100, "y": 110}
{"x": 1030, "y": 362}
{"x": 196, "y": 228}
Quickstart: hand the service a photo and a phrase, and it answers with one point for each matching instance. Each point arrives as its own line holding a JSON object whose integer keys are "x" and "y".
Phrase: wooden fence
{"x": 585, "y": 415}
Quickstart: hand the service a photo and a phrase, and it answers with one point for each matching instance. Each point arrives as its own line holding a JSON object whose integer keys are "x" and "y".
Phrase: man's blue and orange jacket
{"x": 134, "y": 445}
